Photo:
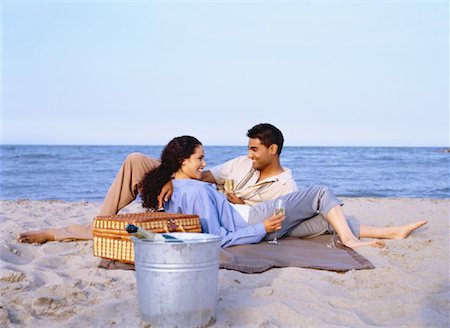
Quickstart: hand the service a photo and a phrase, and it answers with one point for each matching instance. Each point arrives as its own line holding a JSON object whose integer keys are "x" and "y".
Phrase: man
{"x": 258, "y": 177}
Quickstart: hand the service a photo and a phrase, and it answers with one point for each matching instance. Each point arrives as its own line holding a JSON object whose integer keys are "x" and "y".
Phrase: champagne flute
{"x": 229, "y": 185}
{"x": 279, "y": 209}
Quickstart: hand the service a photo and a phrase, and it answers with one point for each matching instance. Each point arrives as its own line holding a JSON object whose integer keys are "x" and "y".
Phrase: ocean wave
{"x": 85, "y": 172}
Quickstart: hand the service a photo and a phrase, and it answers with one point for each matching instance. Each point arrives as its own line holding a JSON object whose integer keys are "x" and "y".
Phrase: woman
{"x": 183, "y": 161}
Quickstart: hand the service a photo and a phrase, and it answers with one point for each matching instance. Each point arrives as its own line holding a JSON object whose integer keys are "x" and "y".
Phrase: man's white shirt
{"x": 247, "y": 185}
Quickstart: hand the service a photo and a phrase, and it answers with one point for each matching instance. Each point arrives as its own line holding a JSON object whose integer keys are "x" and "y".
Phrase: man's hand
{"x": 233, "y": 199}
{"x": 164, "y": 195}
{"x": 273, "y": 223}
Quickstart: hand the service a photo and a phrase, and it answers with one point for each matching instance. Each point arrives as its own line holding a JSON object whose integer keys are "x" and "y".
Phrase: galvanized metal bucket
{"x": 177, "y": 282}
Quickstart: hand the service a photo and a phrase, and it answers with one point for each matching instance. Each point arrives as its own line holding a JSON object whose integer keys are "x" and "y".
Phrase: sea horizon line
{"x": 447, "y": 148}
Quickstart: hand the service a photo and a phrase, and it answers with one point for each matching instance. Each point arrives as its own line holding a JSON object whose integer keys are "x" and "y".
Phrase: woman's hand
{"x": 164, "y": 195}
{"x": 233, "y": 199}
{"x": 273, "y": 223}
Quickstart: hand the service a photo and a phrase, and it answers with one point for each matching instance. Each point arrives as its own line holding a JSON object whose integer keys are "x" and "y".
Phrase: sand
{"x": 59, "y": 284}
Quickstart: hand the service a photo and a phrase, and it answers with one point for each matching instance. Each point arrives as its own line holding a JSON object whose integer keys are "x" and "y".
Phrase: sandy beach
{"x": 59, "y": 284}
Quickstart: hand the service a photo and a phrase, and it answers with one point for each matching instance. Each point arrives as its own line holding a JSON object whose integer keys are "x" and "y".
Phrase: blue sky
{"x": 327, "y": 73}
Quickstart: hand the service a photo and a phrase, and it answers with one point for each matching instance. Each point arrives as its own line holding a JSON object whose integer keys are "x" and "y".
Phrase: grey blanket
{"x": 322, "y": 253}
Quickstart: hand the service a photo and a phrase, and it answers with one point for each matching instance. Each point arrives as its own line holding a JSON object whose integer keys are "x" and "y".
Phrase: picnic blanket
{"x": 322, "y": 252}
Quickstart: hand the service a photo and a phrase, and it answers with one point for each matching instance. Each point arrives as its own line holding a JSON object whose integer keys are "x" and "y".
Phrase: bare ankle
{"x": 358, "y": 243}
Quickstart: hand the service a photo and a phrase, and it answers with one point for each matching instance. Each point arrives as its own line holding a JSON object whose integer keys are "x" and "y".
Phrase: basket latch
{"x": 171, "y": 226}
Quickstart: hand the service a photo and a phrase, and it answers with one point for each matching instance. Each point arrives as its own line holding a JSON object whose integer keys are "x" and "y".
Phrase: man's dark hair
{"x": 268, "y": 135}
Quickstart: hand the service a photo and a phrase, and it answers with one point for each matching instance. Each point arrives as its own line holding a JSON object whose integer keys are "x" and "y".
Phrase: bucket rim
{"x": 203, "y": 238}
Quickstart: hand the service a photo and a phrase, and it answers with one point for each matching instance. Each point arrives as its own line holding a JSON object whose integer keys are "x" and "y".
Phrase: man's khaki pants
{"x": 122, "y": 192}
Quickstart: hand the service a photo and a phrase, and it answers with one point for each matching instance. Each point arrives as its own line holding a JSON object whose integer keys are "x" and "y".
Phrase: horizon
{"x": 210, "y": 145}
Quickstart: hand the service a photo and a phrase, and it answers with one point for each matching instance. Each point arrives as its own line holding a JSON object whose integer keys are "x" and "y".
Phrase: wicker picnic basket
{"x": 111, "y": 241}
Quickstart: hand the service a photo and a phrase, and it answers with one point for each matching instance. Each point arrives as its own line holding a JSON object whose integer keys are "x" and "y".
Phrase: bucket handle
{"x": 172, "y": 226}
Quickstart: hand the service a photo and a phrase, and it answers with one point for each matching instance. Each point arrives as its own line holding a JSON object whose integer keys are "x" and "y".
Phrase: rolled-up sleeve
{"x": 223, "y": 171}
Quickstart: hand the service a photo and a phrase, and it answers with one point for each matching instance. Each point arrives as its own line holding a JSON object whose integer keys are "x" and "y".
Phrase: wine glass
{"x": 279, "y": 209}
{"x": 229, "y": 185}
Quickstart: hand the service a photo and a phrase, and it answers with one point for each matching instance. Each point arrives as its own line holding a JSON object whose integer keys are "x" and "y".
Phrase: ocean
{"x": 84, "y": 173}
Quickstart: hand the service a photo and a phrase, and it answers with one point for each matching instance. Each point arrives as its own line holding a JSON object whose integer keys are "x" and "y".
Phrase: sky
{"x": 327, "y": 73}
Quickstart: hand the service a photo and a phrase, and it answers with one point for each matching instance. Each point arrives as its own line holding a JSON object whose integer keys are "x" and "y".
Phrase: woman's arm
{"x": 219, "y": 218}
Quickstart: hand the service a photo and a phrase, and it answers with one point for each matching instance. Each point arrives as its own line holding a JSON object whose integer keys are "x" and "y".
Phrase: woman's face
{"x": 192, "y": 167}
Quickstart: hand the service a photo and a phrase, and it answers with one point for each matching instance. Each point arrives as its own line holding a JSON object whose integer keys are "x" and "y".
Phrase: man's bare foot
{"x": 356, "y": 243}
{"x": 404, "y": 231}
{"x": 38, "y": 236}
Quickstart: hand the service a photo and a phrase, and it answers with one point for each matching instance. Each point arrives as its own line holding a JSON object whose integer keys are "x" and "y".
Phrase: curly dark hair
{"x": 172, "y": 156}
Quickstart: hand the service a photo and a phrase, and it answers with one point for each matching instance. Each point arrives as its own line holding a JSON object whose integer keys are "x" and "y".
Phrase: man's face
{"x": 260, "y": 155}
